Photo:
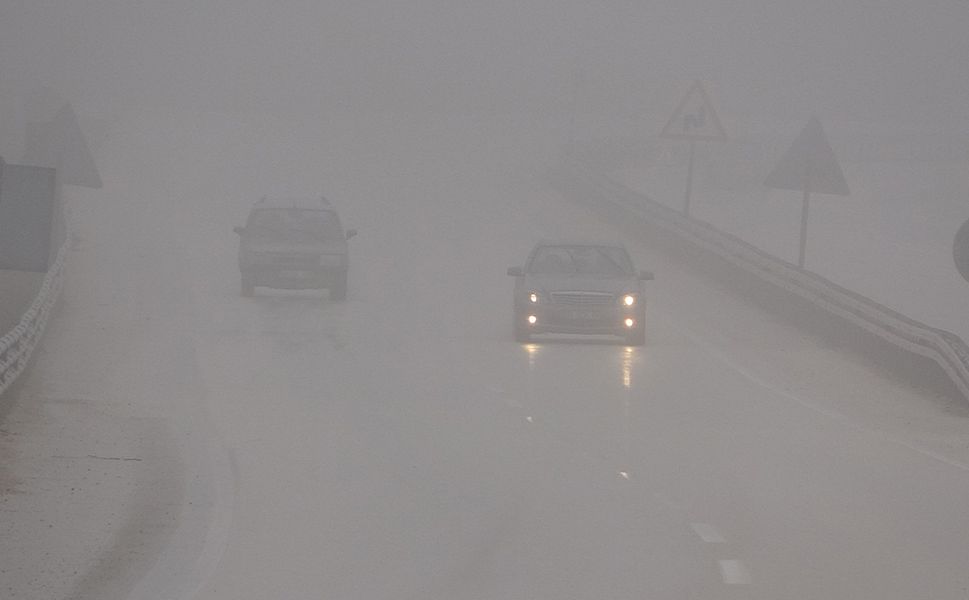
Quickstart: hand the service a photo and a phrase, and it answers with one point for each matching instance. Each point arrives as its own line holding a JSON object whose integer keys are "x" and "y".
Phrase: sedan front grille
{"x": 582, "y": 298}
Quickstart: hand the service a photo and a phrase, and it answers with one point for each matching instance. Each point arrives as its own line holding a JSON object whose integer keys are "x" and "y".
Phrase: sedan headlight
{"x": 533, "y": 297}
{"x": 629, "y": 300}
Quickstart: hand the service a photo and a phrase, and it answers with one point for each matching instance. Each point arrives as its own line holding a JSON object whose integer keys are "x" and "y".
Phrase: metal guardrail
{"x": 17, "y": 346}
{"x": 948, "y": 350}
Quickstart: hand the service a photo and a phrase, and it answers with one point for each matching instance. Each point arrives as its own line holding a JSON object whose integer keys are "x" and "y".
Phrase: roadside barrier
{"x": 944, "y": 348}
{"x": 19, "y": 343}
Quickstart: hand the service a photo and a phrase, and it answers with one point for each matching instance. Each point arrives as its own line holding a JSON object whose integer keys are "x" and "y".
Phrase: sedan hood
{"x": 579, "y": 283}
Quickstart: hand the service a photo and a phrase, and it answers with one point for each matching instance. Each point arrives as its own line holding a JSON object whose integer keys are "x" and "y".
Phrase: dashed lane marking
{"x": 708, "y": 533}
{"x": 734, "y": 572}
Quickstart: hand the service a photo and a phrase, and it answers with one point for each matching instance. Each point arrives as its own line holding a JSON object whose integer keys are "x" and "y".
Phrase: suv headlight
{"x": 629, "y": 300}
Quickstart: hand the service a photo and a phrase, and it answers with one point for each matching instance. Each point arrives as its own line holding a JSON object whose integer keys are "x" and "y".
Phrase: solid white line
{"x": 734, "y": 572}
{"x": 816, "y": 408}
{"x": 708, "y": 533}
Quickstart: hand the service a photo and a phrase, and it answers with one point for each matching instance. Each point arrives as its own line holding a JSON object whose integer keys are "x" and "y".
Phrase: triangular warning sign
{"x": 60, "y": 144}
{"x": 695, "y": 119}
{"x": 809, "y": 165}
{"x": 960, "y": 250}
{"x": 43, "y": 103}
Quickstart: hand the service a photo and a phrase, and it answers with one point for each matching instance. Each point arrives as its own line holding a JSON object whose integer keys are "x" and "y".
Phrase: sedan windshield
{"x": 581, "y": 260}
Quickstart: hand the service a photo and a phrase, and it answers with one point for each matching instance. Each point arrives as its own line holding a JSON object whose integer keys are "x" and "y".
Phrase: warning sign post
{"x": 809, "y": 166}
{"x": 694, "y": 120}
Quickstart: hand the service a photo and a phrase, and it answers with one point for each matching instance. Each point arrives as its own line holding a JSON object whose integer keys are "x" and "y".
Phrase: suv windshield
{"x": 294, "y": 224}
{"x": 581, "y": 260}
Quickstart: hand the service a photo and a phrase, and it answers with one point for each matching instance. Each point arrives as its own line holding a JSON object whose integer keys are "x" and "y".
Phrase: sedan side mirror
{"x": 515, "y": 271}
{"x": 646, "y": 275}
{"x": 351, "y": 233}
{"x": 239, "y": 230}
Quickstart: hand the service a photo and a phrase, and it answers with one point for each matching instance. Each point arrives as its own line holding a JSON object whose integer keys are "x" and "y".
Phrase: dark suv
{"x": 580, "y": 288}
{"x": 295, "y": 244}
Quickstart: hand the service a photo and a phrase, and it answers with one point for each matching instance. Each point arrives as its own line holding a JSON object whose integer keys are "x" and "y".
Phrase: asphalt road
{"x": 402, "y": 445}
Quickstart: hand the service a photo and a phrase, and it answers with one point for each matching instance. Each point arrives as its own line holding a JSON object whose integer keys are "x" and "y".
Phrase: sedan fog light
{"x": 532, "y": 319}
{"x": 629, "y": 322}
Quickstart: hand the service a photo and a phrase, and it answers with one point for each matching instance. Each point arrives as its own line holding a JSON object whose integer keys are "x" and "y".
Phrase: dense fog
{"x": 861, "y": 61}
{"x": 186, "y": 432}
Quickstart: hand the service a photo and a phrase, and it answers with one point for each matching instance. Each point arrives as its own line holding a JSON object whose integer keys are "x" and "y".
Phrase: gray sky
{"x": 860, "y": 60}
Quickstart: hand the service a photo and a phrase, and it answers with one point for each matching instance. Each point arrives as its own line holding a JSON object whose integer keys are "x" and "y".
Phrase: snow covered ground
{"x": 890, "y": 240}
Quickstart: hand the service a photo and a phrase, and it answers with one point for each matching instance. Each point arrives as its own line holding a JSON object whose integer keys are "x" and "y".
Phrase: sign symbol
{"x": 694, "y": 127}
{"x": 695, "y": 121}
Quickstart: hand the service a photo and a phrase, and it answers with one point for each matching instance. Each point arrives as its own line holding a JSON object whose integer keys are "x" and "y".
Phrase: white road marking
{"x": 734, "y": 572}
{"x": 816, "y": 408}
{"x": 708, "y": 533}
{"x": 667, "y": 501}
